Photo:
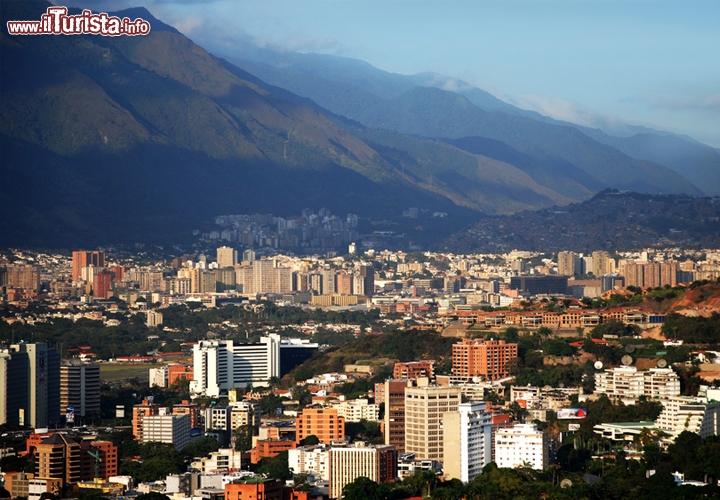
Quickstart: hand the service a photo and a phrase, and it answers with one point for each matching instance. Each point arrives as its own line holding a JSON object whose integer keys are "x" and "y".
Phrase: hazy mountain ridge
{"x": 364, "y": 99}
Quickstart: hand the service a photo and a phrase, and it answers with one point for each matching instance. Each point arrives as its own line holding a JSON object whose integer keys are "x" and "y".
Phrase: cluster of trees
{"x": 619, "y": 479}
{"x": 692, "y": 329}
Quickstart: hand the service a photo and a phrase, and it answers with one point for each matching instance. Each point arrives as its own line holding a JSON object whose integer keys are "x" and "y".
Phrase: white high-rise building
{"x": 521, "y": 445}
{"x": 468, "y": 441}
{"x": 347, "y": 463}
{"x": 221, "y": 365}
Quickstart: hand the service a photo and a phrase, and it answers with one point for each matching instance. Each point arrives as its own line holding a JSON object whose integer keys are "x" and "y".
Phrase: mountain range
{"x": 146, "y": 138}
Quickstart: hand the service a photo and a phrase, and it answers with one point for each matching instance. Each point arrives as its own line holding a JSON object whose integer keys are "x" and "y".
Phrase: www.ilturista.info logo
{"x": 57, "y": 22}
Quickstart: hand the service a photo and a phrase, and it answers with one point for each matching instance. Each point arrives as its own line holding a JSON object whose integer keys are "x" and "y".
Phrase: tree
{"x": 310, "y": 440}
{"x": 363, "y": 489}
{"x": 201, "y": 447}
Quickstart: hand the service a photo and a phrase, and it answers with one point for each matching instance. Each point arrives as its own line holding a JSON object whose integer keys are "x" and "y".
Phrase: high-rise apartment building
{"x": 84, "y": 258}
{"x": 521, "y": 444}
{"x": 489, "y": 359}
{"x": 226, "y": 257}
{"x": 140, "y": 411}
{"x": 566, "y": 263}
{"x": 14, "y": 387}
{"x": 424, "y": 410}
{"x": 650, "y": 274}
{"x": 468, "y": 441}
{"x": 393, "y": 395}
{"x": 323, "y": 423}
{"x": 80, "y": 387}
{"x": 347, "y": 463}
{"x": 23, "y": 276}
{"x": 102, "y": 284}
{"x": 602, "y": 263}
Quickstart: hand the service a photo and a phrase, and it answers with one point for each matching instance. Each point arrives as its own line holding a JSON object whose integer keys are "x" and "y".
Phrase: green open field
{"x": 117, "y": 371}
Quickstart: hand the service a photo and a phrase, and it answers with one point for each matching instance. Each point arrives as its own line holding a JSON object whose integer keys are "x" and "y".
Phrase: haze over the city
{"x": 590, "y": 62}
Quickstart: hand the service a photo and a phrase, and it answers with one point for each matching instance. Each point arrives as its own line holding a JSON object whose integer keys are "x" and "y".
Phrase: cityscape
{"x": 399, "y": 250}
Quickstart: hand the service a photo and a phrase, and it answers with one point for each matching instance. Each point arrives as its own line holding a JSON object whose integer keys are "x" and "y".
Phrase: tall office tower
{"x": 80, "y": 387}
{"x": 490, "y": 358}
{"x": 566, "y": 263}
{"x": 226, "y": 257}
{"x": 520, "y": 444}
{"x": 347, "y": 463}
{"x": 43, "y": 397}
{"x": 394, "y": 399}
{"x": 468, "y": 441}
{"x": 14, "y": 386}
{"x": 602, "y": 263}
{"x": 84, "y": 258}
{"x": 358, "y": 284}
{"x": 424, "y": 410}
{"x": 102, "y": 284}
{"x": 27, "y": 277}
{"x": 328, "y": 281}
{"x": 140, "y": 411}
{"x": 323, "y": 423}
{"x": 344, "y": 283}
{"x": 367, "y": 275}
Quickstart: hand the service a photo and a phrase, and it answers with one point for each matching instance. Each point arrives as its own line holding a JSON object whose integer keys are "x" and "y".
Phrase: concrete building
{"x": 566, "y": 263}
{"x": 254, "y": 488}
{"x": 521, "y": 444}
{"x": 154, "y": 318}
{"x": 140, "y": 411}
{"x": 358, "y": 409}
{"x": 219, "y": 366}
{"x": 347, "y": 463}
{"x": 169, "y": 429}
{"x": 414, "y": 369}
{"x": 311, "y": 460}
{"x": 244, "y": 413}
{"x": 158, "y": 377}
{"x": 83, "y": 258}
{"x": 62, "y": 457}
{"x": 226, "y": 257}
{"x": 222, "y": 460}
{"x": 683, "y": 413}
{"x": 393, "y": 395}
{"x": 30, "y": 375}
{"x": 323, "y": 423}
{"x": 424, "y": 410}
{"x": 467, "y": 441}
{"x": 626, "y": 382}
{"x": 489, "y": 359}
{"x": 80, "y": 387}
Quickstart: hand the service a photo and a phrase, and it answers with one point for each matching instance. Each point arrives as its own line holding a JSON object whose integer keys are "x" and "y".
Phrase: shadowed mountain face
{"x": 146, "y": 138}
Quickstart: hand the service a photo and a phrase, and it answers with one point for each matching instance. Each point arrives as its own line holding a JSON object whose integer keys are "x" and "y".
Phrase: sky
{"x": 643, "y": 62}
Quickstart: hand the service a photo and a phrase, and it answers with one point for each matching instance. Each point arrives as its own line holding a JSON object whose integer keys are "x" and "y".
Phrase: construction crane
{"x": 96, "y": 456}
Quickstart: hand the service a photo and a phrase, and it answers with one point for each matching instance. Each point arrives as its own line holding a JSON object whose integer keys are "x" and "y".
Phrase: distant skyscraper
{"x": 41, "y": 393}
{"x": 566, "y": 263}
{"x": 84, "y": 258}
{"x": 226, "y": 257}
{"x": 80, "y": 387}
